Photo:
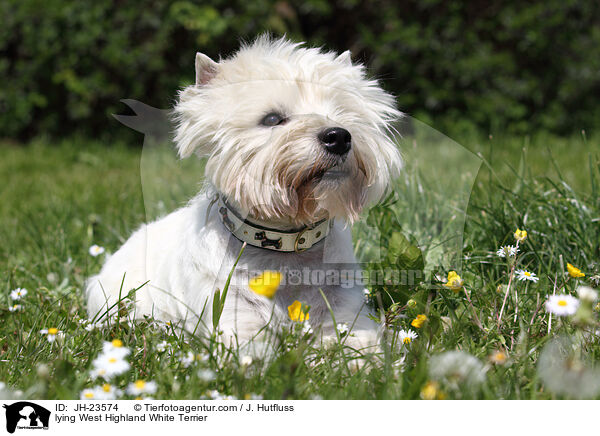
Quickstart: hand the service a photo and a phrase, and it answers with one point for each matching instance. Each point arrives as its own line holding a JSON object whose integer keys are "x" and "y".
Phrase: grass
{"x": 59, "y": 199}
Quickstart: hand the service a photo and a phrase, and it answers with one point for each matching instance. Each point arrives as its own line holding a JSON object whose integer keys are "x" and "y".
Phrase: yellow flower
{"x": 498, "y": 357}
{"x": 431, "y": 391}
{"x": 454, "y": 282}
{"x": 117, "y": 343}
{"x": 52, "y": 331}
{"x": 419, "y": 321}
{"x": 520, "y": 235}
{"x": 297, "y": 313}
{"x": 574, "y": 271}
{"x": 266, "y": 284}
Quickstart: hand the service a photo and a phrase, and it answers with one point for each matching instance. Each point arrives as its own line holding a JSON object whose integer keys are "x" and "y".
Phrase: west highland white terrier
{"x": 298, "y": 142}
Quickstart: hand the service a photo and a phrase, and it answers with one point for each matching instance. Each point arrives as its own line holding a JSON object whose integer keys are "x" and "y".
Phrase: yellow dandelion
{"x": 574, "y": 271}
{"x": 297, "y": 312}
{"x": 455, "y": 283}
{"x": 266, "y": 284}
{"x": 520, "y": 235}
{"x": 419, "y": 321}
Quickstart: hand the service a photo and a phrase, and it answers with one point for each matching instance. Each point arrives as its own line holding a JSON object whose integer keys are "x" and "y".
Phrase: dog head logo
{"x": 26, "y": 415}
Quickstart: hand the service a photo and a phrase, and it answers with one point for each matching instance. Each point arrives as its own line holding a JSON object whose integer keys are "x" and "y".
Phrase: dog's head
{"x": 291, "y": 133}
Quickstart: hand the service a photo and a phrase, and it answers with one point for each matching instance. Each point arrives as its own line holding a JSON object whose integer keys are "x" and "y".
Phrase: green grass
{"x": 57, "y": 200}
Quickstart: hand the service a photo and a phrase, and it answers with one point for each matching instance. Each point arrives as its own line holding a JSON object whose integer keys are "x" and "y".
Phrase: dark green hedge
{"x": 508, "y": 66}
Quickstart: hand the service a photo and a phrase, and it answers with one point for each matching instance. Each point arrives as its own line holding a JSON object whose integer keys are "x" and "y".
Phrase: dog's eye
{"x": 273, "y": 119}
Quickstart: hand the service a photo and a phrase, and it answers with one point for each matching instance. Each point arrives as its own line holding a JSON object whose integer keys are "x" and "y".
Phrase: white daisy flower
{"x": 96, "y": 250}
{"x": 307, "y": 329}
{"x": 246, "y": 360}
{"x": 342, "y": 328}
{"x": 206, "y": 375}
{"x": 107, "y": 392}
{"x": 587, "y": 294}
{"x": 17, "y": 294}
{"x": 115, "y": 348}
{"x": 88, "y": 394}
{"x": 187, "y": 359}
{"x": 507, "y": 250}
{"x": 161, "y": 346}
{"x": 141, "y": 387}
{"x": 406, "y": 337}
{"x": 51, "y": 333}
{"x": 562, "y": 305}
{"x": 15, "y": 307}
{"x": 108, "y": 365}
{"x": 526, "y": 275}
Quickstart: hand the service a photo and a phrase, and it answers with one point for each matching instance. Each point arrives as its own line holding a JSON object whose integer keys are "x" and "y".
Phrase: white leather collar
{"x": 257, "y": 235}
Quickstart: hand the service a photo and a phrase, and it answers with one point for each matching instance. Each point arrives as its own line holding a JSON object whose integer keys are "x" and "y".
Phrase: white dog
{"x": 298, "y": 143}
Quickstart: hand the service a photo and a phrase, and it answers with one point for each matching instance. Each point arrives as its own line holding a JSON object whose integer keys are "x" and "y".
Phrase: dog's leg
{"x": 249, "y": 323}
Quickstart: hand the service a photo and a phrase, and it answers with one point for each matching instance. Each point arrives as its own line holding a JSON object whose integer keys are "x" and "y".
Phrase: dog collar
{"x": 272, "y": 239}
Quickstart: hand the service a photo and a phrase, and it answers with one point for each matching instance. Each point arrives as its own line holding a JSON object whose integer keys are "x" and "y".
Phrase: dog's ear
{"x": 345, "y": 58}
{"x": 206, "y": 69}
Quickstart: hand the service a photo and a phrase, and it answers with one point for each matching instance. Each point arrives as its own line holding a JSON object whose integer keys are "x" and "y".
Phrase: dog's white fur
{"x": 276, "y": 175}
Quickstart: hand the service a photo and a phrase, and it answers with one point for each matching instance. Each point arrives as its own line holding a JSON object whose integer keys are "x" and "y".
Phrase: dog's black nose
{"x": 336, "y": 140}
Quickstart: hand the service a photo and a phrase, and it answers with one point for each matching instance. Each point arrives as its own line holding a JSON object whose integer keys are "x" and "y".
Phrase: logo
{"x": 26, "y": 415}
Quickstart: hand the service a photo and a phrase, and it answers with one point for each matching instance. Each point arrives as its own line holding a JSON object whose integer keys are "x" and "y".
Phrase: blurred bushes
{"x": 496, "y": 66}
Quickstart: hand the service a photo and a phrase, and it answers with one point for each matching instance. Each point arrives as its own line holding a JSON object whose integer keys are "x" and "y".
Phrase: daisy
{"x": 574, "y": 271}
{"x": 266, "y": 284}
{"x": 206, "y": 375}
{"x": 141, "y": 387}
{"x": 307, "y": 329}
{"x": 108, "y": 365}
{"x": 15, "y": 307}
{"x": 187, "y": 360}
{"x": 507, "y": 250}
{"x": 562, "y": 305}
{"x": 96, "y": 250}
{"x": 520, "y": 235}
{"x": 115, "y": 348}
{"x": 88, "y": 394}
{"x": 526, "y": 275}
{"x": 455, "y": 283}
{"x": 107, "y": 392}
{"x": 407, "y": 336}
{"x": 298, "y": 312}
{"x": 50, "y": 333}
{"x": 18, "y": 293}
{"x": 342, "y": 328}
{"x": 498, "y": 357}
{"x": 161, "y": 346}
{"x": 587, "y": 294}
